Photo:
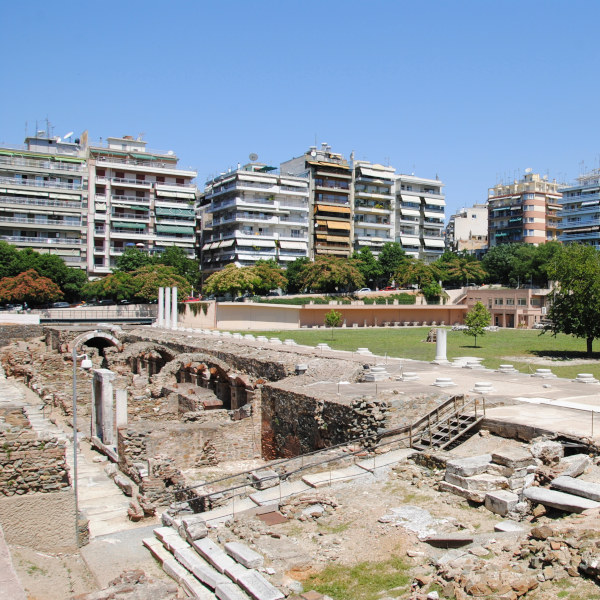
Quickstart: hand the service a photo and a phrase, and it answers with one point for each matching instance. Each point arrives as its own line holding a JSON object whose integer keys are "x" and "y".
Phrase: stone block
{"x": 559, "y": 500}
{"x": 244, "y": 555}
{"x": 548, "y": 452}
{"x": 174, "y": 570}
{"x": 124, "y": 484}
{"x": 482, "y": 483}
{"x": 467, "y": 467}
{"x": 473, "y": 496}
{"x": 575, "y": 465}
{"x": 235, "y": 570}
{"x": 509, "y": 527}
{"x": 514, "y": 458}
{"x": 193, "y": 528}
{"x": 199, "y": 567}
{"x": 264, "y": 479}
{"x": 577, "y": 487}
{"x": 195, "y": 589}
{"x": 215, "y": 555}
{"x": 501, "y": 502}
{"x": 258, "y": 587}
{"x": 230, "y": 591}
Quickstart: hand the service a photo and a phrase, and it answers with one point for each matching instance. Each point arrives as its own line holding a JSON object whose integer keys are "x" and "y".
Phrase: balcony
{"x": 50, "y": 165}
{"x": 54, "y": 223}
{"x": 130, "y": 200}
{"x": 127, "y": 182}
{"x": 60, "y": 241}
{"x": 374, "y": 224}
{"x": 40, "y": 184}
{"x": 151, "y": 164}
{"x": 130, "y": 216}
{"x": 75, "y": 206}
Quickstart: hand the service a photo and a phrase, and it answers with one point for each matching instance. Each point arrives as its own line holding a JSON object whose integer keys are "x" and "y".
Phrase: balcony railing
{"x": 129, "y": 181}
{"x": 29, "y": 221}
{"x": 130, "y": 217}
{"x": 39, "y": 202}
{"x": 39, "y": 240}
{"x": 36, "y": 183}
{"x": 152, "y": 163}
{"x": 134, "y": 199}
{"x": 41, "y": 164}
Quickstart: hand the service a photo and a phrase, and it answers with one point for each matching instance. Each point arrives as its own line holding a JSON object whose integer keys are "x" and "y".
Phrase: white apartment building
{"x": 254, "y": 213}
{"x": 419, "y": 216}
{"x": 581, "y": 210}
{"x": 373, "y": 188}
{"x": 43, "y": 195}
{"x": 467, "y": 229}
{"x": 137, "y": 198}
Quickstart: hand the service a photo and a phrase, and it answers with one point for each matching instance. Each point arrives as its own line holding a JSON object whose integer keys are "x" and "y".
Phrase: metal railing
{"x": 39, "y": 240}
{"x": 44, "y": 184}
{"x": 42, "y": 164}
{"x": 37, "y": 202}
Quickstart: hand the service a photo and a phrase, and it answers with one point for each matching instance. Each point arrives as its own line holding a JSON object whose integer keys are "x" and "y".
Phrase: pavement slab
{"x": 317, "y": 480}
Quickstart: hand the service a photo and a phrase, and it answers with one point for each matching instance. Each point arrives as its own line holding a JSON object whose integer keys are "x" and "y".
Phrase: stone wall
{"x": 28, "y": 464}
{"x": 45, "y": 522}
{"x": 11, "y": 333}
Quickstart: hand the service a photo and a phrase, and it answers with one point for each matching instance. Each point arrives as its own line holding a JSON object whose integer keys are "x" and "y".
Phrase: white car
{"x": 362, "y": 290}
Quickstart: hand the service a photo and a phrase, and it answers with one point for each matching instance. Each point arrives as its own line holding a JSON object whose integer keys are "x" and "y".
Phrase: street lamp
{"x": 86, "y": 363}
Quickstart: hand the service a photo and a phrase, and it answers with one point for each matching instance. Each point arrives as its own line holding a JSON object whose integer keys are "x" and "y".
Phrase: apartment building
{"x": 254, "y": 213}
{"x": 419, "y": 217}
{"x": 526, "y": 211}
{"x": 467, "y": 230}
{"x": 43, "y": 197}
{"x": 373, "y": 200}
{"x": 330, "y": 199}
{"x": 137, "y": 198}
{"x": 581, "y": 210}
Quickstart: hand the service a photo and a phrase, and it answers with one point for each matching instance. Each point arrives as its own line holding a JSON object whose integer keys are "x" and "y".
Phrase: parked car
{"x": 390, "y": 288}
{"x": 61, "y": 305}
{"x": 106, "y": 302}
{"x": 363, "y": 290}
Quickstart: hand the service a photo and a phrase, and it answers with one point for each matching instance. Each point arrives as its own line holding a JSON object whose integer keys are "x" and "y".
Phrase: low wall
{"x": 249, "y": 316}
{"x": 198, "y": 315}
{"x": 19, "y": 318}
{"x": 45, "y": 522}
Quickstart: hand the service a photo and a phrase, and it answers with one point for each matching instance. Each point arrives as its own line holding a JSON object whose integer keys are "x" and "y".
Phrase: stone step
{"x": 196, "y": 565}
{"x": 223, "y": 513}
{"x": 244, "y": 555}
{"x": 259, "y": 587}
{"x": 559, "y": 500}
{"x": 230, "y": 591}
{"x": 384, "y": 460}
{"x": 577, "y": 487}
{"x": 283, "y": 490}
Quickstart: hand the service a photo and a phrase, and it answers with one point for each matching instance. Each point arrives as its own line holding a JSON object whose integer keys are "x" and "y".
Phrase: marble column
{"x": 174, "y": 308}
{"x": 161, "y": 307}
{"x": 440, "y": 347}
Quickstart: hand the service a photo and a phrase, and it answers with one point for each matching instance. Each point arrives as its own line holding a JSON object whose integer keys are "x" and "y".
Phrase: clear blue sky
{"x": 473, "y": 91}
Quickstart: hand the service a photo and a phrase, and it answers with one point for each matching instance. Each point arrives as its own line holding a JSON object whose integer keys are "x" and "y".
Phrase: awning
{"x": 407, "y": 241}
{"x": 590, "y": 203}
{"x": 214, "y": 245}
{"x": 65, "y": 197}
{"x": 434, "y": 243}
{"x": 137, "y": 207}
{"x": 337, "y": 238}
{"x": 435, "y": 202}
{"x": 302, "y": 187}
{"x": 105, "y": 151}
{"x": 174, "y": 229}
{"x": 226, "y": 243}
{"x": 27, "y": 193}
{"x": 378, "y": 174}
{"x": 338, "y": 225}
{"x": 293, "y": 245}
{"x": 257, "y": 242}
{"x": 127, "y": 225}
{"x": 410, "y": 212}
{"x": 206, "y": 246}
{"x": 321, "y": 223}
{"x": 68, "y": 159}
{"x": 335, "y": 209}
{"x": 168, "y": 194}
{"x": 520, "y": 208}
{"x": 175, "y": 212}
{"x": 143, "y": 156}
{"x": 100, "y": 206}
{"x": 409, "y": 198}
{"x": 433, "y": 215}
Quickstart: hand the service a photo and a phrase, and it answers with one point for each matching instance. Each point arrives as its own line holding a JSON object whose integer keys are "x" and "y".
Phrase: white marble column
{"x": 174, "y": 308}
{"x": 121, "y": 412}
{"x": 440, "y": 347}
{"x": 103, "y": 406}
{"x": 167, "y": 308}
{"x": 161, "y": 307}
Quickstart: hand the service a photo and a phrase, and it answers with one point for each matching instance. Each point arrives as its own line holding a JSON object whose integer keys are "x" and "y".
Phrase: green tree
{"x": 575, "y": 305}
{"x": 432, "y": 291}
{"x": 390, "y": 258}
{"x": 331, "y": 274}
{"x": 132, "y": 259}
{"x": 293, "y": 274}
{"x": 460, "y": 269}
{"x": 269, "y": 276}
{"x": 174, "y": 256}
{"x": 368, "y": 266}
{"x": 333, "y": 319}
{"x": 231, "y": 280}
{"x": 146, "y": 281}
{"x": 477, "y": 319}
{"x": 29, "y": 287}
{"x": 8, "y": 260}
{"x": 415, "y": 271}
{"x": 498, "y": 262}
{"x": 117, "y": 286}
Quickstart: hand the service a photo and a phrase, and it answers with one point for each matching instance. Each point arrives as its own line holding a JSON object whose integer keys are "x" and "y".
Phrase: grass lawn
{"x": 493, "y": 347}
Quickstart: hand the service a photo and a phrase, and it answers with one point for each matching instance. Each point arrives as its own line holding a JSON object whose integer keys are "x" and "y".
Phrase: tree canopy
{"x": 330, "y": 274}
{"x": 29, "y": 287}
{"x": 575, "y": 305}
{"x": 369, "y": 266}
{"x": 459, "y": 269}
{"x": 390, "y": 258}
{"x": 269, "y": 276}
{"x": 476, "y": 320}
{"x": 231, "y": 280}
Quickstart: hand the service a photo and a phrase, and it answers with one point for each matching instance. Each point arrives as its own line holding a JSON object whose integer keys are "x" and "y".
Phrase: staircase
{"x": 446, "y": 424}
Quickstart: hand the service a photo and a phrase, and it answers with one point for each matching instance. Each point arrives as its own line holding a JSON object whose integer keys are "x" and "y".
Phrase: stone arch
{"x": 101, "y": 338}
{"x": 146, "y": 358}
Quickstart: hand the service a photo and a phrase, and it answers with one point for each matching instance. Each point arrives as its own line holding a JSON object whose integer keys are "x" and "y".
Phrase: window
{"x": 522, "y": 301}
{"x": 100, "y": 172}
{"x": 498, "y": 301}
{"x": 120, "y": 175}
{"x": 160, "y": 179}
{"x": 536, "y": 302}
{"x": 179, "y": 180}
{"x": 510, "y": 302}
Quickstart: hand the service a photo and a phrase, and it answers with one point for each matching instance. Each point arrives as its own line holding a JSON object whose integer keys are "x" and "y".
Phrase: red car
{"x": 390, "y": 288}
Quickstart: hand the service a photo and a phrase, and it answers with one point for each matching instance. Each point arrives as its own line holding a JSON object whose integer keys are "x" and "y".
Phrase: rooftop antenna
{"x": 67, "y": 136}
{"x": 141, "y": 136}
{"x": 253, "y": 156}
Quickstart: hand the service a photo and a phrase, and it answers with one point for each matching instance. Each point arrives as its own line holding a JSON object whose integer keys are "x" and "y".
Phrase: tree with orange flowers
{"x": 29, "y": 287}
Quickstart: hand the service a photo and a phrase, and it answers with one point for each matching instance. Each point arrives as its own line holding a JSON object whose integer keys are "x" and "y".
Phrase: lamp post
{"x": 86, "y": 363}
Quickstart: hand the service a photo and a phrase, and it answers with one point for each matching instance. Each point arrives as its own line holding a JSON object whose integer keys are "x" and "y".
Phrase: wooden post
{"x": 429, "y": 426}
{"x": 410, "y": 440}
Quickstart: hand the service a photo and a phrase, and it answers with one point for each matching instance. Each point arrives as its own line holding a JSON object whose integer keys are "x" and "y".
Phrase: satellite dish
{"x": 252, "y": 156}
{"x": 528, "y": 170}
{"x": 68, "y": 135}
{"x": 313, "y": 153}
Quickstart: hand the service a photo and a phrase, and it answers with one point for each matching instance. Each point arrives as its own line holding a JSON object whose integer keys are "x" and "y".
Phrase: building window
{"x": 536, "y": 302}
{"x": 522, "y": 301}
{"x": 498, "y": 301}
{"x": 160, "y": 179}
{"x": 510, "y": 302}
{"x": 100, "y": 172}
{"x": 179, "y": 180}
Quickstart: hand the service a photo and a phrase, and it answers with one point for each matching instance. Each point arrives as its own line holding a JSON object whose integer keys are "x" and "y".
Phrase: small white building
{"x": 467, "y": 229}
